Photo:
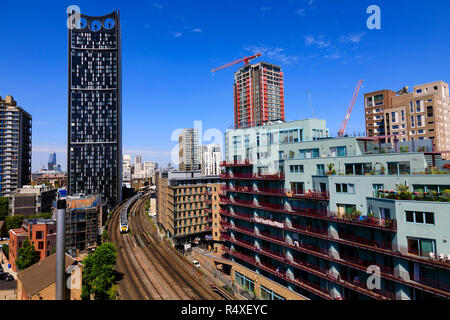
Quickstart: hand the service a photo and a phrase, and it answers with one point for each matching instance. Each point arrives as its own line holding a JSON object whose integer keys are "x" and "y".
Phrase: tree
{"x": 98, "y": 272}
{"x": 105, "y": 236}
{"x": 14, "y": 222}
{"x": 5, "y": 249}
{"x": 27, "y": 255}
{"x": 4, "y": 207}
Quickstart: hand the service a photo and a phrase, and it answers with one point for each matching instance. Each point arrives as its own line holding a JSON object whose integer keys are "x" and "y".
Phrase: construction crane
{"x": 350, "y": 108}
{"x": 310, "y": 103}
{"x": 246, "y": 60}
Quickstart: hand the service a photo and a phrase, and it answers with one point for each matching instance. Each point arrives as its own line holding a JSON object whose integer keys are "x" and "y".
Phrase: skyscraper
{"x": 52, "y": 161}
{"x": 258, "y": 95}
{"x": 211, "y": 157}
{"x": 95, "y": 108}
{"x": 189, "y": 157}
{"x": 15, "y": 146}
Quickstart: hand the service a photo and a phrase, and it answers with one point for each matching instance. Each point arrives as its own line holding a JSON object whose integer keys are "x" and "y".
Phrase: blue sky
{"x": 170, "y": 47}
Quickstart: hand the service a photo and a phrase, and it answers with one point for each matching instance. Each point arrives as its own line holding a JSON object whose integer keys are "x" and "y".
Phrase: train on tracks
{"x": 123, "y": 226}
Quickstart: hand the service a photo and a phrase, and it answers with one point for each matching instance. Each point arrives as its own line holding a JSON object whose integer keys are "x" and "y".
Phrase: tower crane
{"x": 246, "y": 60}
{"x": 350, "y": 108}
{"x": 310, "y": 102}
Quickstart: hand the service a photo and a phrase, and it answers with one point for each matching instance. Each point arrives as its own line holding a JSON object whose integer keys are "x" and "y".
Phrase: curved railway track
{"x": 132, "y": 286}
{"x": 178, "y": 274}
{"x": 150, "y": 269}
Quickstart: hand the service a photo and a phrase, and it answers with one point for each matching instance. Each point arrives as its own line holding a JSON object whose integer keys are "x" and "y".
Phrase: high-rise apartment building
{"x": 411, "y": 116}
{"x": 211, "y": 157}
{"x": 314, "y": 215}
{"x": 95, "y": 109}
{"x": 126, "y": 167}
{"x": 258, "y": 95}
{"x": 189, "y": 157}
{"x": 149, "y": 168}
{"x": 15, "y": 146}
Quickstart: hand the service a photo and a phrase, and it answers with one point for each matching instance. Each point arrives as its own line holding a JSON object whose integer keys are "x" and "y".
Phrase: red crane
{"x": 246, "y": 60}
{"x": 350, "y": 108}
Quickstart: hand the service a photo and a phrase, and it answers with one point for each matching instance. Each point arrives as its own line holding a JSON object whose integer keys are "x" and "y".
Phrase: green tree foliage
{"x": 4, "y": 208}
{"x": 105, "y": 236}
{"x": 98, "y": 273}
{"x": 5, "y": 250}
{"x": 27, "y": 255}
{"x": 14, "y": 222}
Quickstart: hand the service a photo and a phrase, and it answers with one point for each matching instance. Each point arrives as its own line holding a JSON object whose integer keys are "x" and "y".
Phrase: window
{"x": 338, "y": 151}
{"x": 320, "y": 169}
{"x": 309, "y": 153}
{"x": 296, "y": 169}
{"x": 393, "y": 114}
{"x": 345, "y": 188}
{"x": 420, "y": 217}
{"x": 419, "y": 121}
{"x": 379, "y": 99}
{"x": 289, "y": 136}
{"x": 421, "y": 247}
{"x": 430, "y": 111}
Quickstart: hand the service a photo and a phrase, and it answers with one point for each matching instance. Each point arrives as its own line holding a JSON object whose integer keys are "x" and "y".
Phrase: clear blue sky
{"x": 170, "y": 47}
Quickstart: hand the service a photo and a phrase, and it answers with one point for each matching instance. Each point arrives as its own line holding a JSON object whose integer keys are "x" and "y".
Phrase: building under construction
{"x": 83, "y": 223}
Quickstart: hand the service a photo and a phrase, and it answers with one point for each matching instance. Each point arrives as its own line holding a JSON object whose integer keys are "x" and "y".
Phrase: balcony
{"x": 315, "y": 270}
{"x": 252, "y": 176}
{"x": 314, "y": 195}
{"x": 309, "y": 286}
{"x": 373, "y": 222}
{"x": 245, "y": 163}
{"x": 249, "y": 190}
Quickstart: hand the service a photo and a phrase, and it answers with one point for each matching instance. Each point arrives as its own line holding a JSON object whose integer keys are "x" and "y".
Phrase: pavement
{"x": 8, "y": 288}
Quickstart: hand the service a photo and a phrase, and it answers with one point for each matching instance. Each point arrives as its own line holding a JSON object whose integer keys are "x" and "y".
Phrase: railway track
{"x": 178, "y": 275}
{"x": 150, "y": 269}
{"x": 133, "y": 284}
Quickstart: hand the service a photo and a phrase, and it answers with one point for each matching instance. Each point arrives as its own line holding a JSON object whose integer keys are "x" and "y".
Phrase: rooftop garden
{"x": 402, "y": 193}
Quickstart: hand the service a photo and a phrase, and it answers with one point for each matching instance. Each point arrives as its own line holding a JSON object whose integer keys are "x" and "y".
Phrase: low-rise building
{"x": 183, "y": 208}
{"x": 40, "y": 232}
{"x": 56, "y": 179}
{"x": 38, "y": 281}
{"x": 31, "y": 200}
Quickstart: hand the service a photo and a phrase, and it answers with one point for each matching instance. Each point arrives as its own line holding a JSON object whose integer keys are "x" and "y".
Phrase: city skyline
{"x": 313, "y": 57}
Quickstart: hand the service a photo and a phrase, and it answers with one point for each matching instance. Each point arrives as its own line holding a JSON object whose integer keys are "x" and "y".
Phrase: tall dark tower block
{"x": 94, "y": 161}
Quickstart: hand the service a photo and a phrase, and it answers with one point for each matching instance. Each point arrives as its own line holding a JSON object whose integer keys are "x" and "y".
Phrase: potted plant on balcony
{"x": 331, "y": 170}
{"x": 383, "y": 170}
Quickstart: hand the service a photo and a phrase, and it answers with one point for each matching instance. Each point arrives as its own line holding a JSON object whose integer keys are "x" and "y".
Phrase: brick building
{"x": 40, "y": 232}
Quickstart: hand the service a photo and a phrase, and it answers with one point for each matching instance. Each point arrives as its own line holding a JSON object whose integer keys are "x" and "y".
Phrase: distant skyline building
{"x": 95, "y": 109}
{"x": 189, "y": 157}
{"x": 258, "y": 95}
{"x": 52, "y": 166}
{"x": 211, "y": 156}
{"x": 410, "y": 116}
{"x": 15, "y": 146}
{"x": 126, "y": 167}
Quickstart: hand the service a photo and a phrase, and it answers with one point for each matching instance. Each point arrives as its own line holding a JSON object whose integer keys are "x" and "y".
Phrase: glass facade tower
{"x": 95, "y": 109}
